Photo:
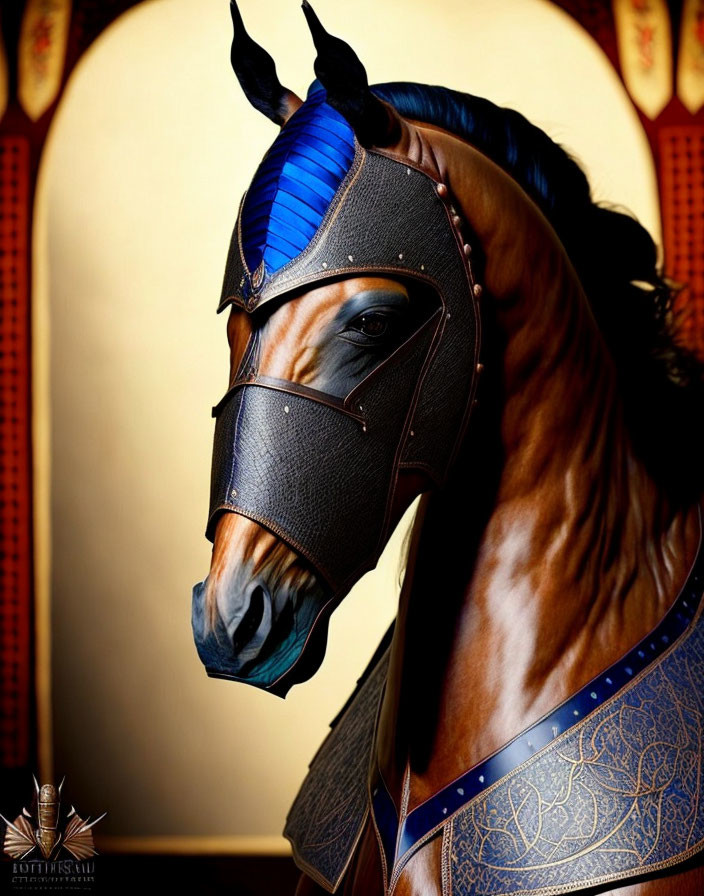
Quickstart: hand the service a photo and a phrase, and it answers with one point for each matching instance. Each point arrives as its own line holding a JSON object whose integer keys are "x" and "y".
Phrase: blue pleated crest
{"x": 294, "y": 184}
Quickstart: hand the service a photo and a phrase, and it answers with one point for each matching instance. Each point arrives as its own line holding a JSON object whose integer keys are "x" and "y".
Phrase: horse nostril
{"x": 251, "y": 620}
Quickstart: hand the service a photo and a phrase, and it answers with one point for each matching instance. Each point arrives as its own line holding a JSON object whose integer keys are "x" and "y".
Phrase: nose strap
{"x": 271, "y": 382}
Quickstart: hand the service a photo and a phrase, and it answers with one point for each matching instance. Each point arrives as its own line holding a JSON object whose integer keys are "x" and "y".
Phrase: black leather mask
{"x": 320, "y": 470}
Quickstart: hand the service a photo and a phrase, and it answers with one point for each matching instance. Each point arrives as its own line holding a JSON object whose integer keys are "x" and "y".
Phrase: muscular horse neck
{"x": 551, "y": 551}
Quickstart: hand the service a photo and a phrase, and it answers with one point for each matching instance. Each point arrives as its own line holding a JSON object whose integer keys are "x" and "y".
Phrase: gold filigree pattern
{"x": 615, "y": 796}
{"x": 328, "y": 815}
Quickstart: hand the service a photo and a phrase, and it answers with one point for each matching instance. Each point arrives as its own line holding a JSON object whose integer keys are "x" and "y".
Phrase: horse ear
{"x": 343, "y": 76}
{"x": 256, "y": 72}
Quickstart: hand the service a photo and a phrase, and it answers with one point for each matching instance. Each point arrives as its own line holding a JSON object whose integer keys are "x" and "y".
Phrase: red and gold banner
{"x": 690, "y": 65}
{"x": 645, "y": 52}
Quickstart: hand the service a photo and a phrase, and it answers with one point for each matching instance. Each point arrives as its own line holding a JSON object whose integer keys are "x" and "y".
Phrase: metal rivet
{"x": 575, "y": 712}
{"x": 408, "y": 170}
{"x": 456, "y": 220}
{"x": 593, "y": 695}
{"x": 460, "y": 791}
{"x": 608, "y": 681}
{"x": 400, "y": 255}
{"x": 364, "y": 427}
{"x": 477, "y": 290}
{"x": 350, "y": 258}
{"x": 481, "y": 779}
{"x": 444, "y": 811}
{"x": 629, "y": 671}
{"x": 529, "y": 743}
{"x": 286, "y": 409}
{"x": 480, "y": 367}
{"x": 467, "y": 249}
{"x": 448, "y": 316}
{"x": 422, "y": 267}
{"x": 325, "y": 264}
{"x": 442, "y": 190}
{"x": 412, "y": 433}
{"x": 233, "y": 493}
{"x": 555, "y": 730}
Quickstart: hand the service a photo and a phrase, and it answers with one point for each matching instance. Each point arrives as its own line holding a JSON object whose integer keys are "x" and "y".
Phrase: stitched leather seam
{"x": 380, "y": 844}
{"x": 446, "y": 856}
{"x": 408, "y": 163}
{"x": 471, "y": 282}
{"x": 401, "y": 352}
{"x": 277, "y": 530}
{"x": 238, "y": 225}
{"x": 322, "y": 276}
{"x": 400, "y": 445}
{"x": 311, "y": 870}
{"x": 291, "y": 388}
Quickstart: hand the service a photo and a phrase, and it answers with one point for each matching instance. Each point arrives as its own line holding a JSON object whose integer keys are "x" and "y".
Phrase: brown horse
{"x": 566, "y": 528}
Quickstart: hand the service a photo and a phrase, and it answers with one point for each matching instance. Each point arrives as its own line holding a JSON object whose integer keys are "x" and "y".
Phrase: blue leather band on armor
{"x": 294, "y": 184}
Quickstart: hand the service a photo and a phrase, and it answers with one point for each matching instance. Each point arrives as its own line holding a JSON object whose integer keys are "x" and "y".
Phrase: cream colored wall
{"x": 148, "y": 156}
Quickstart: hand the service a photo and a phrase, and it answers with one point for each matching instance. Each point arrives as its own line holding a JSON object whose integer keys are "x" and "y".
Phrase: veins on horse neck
{"x": 550, "y": 553}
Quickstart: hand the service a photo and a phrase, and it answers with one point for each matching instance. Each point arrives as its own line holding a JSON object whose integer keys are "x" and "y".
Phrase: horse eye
{"x": 370, "y": 327}
{"x": 373, "y": 324}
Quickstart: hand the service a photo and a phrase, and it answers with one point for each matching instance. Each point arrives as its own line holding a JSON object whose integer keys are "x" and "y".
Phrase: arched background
{"x": 146, "y": 160}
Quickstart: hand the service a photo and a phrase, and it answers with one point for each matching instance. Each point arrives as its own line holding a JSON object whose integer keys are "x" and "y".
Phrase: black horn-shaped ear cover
{"x": 256, "y": 72}
{"x": 340, "y": 71}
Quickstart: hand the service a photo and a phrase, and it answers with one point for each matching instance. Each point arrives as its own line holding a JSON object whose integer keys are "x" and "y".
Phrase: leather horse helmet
{"x": 320, "y": 470}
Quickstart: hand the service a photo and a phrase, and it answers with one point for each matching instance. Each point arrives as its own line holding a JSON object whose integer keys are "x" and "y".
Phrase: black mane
{"x": 616, "y": 259}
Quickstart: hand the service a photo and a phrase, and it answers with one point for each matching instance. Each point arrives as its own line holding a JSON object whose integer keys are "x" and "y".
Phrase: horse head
{"x": 354, "y": 336}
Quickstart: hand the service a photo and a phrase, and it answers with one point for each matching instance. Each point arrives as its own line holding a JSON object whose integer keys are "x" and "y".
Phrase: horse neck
{"x": 566, "y": 553}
